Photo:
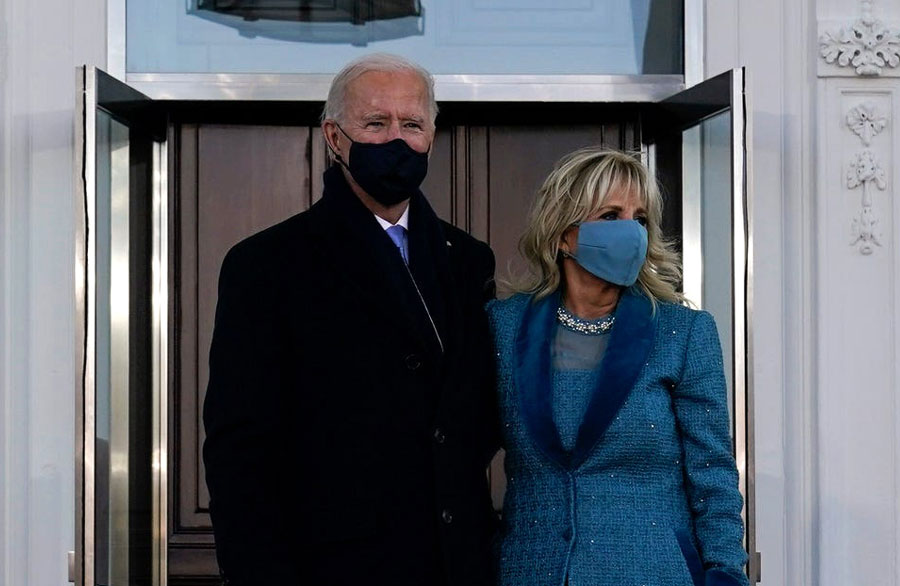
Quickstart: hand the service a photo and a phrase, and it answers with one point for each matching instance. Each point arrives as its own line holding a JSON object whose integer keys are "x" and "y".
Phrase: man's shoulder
{"x": 274, "y": 238}
{"x": 465, "y": 242}
{"x": 268, "y": 250}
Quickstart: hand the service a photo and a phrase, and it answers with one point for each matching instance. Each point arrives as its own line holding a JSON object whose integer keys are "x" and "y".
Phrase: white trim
{"x": 116, "y": 27}
{"x": 798, "y": 143}
{"x": 489, "y": 88}
{"x": 694, "y": 42}
{"x": 895, "y": 375}
{"x": 15, "y": 303}
{"x": 13, "y": 460}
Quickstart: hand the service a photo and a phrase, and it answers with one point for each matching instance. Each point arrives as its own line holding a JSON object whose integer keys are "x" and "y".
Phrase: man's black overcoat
{"x": 346, "y": 443}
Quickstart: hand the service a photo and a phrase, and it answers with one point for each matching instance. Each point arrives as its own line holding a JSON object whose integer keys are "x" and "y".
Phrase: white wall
{"x": 774, "y": 39}
{"x": 825, "y": 339}
{"x": 858, "y": 309}
{"x": 40, "y": 45}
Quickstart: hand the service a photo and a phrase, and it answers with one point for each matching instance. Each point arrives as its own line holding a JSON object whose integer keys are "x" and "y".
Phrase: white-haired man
{"x": 350, "y": 412}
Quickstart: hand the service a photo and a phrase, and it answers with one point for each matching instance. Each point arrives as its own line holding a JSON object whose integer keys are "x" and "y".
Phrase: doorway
{"x": 229, "y": 169}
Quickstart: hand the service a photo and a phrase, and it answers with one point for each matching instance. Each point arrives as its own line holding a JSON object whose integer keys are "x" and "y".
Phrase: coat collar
{"x": 629, "y": 345}
{"x": 367, "y": 262}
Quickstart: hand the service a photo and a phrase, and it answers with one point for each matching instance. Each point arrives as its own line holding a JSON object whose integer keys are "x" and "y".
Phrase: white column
{"x": 40, "y": 45}
{"x": 774, "y": 39}
{"x": 858, "y": 307}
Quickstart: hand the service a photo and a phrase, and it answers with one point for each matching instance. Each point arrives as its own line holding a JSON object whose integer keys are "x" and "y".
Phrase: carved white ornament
{"x": 865, "y": 231}
{"x": 865, "y": 170}
{"x": 866, "y": 121}
{"x": 868, "y": 45}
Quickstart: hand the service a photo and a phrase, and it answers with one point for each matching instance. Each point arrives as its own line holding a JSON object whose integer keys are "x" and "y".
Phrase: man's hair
{"x": 334, "y": 105}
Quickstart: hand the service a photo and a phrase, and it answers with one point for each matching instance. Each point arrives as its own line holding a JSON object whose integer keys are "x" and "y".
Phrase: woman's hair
{"x": 572, "y": 193}
{"x": 382, "y": 62}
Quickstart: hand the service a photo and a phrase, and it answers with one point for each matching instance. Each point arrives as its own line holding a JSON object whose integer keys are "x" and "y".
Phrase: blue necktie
{"x": 398, "y": 235}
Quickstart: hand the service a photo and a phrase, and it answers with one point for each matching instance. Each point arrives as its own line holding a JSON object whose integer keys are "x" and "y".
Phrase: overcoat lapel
{"x": 365, "y": 259}
{"x": 430, "y": 265}
{"x": 629, "y": 345}
{"x": 533, "y": 377}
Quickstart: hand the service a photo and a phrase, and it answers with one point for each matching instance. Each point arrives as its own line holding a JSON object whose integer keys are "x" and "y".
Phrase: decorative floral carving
{"x": 865, "y": 231}
{"x": 865, "y": 170}
{"x": 868, "y": 44}
{"x": 866, "y": 121}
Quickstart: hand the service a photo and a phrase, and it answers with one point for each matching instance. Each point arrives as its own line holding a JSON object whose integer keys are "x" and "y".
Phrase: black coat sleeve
{"x": 484, "y": 280}
{"x": 242, "y": 434}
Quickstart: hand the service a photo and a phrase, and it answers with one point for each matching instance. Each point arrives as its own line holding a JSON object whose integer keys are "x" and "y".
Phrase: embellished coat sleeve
{"x": 701, "y": 411}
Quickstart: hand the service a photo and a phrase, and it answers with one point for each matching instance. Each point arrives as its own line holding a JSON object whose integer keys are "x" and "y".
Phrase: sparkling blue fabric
{"x": 661, "y": 474}
{"x": 398, "y": 236}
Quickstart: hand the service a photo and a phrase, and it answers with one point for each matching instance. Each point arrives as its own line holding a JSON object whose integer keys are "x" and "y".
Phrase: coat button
{"x": 439, "y": 435}
{"x": 413, "y": 362}
{"x": 447, "y": 516}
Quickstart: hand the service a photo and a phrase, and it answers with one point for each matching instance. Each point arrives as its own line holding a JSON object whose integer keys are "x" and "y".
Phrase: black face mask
{"x": 390, "y": 172}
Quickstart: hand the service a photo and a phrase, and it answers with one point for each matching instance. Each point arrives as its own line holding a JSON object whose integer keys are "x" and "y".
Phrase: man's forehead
{"x": 375, "y": 85}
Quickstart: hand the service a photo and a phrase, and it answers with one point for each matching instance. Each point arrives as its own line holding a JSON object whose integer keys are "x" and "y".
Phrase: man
{"x": 350, "y": 412}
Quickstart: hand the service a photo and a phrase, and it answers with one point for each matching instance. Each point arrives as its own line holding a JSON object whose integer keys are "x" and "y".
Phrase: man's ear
{"x": 331, "y": 133}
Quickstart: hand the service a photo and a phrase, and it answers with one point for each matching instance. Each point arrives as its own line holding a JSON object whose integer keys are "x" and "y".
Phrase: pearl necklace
{"x": 584, "y": 326}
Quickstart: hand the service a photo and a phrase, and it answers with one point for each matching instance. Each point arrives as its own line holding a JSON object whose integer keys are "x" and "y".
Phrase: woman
{"x": 612, "y": 395}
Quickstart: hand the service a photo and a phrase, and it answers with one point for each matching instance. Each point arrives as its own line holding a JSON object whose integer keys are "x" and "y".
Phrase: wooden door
{"x": 233, "y": 180}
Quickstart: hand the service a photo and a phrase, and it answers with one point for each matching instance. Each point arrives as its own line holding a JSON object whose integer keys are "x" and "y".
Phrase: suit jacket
{"x": 647, "y": 493}
{"x": 347, "y": 441}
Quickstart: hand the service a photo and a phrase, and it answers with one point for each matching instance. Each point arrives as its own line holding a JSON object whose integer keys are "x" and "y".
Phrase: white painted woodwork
{"x": 40, "y": 45}
{"x": 857, "y": 316}
{"x": 857, "y": 308}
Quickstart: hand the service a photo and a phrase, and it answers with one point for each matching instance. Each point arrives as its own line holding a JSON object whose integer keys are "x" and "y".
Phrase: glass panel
{"x": 626, "y": 37}
{"x": 707, "y": 214}
{"x": 122, "y": 447}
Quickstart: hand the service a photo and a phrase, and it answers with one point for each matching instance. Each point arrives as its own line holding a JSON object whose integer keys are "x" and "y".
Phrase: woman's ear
{"x": 568, "y": 241}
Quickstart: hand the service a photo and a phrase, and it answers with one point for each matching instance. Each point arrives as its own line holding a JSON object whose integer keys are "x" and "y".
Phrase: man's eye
{"x": 414, "y": 125}
{"x": 374, "y": 124}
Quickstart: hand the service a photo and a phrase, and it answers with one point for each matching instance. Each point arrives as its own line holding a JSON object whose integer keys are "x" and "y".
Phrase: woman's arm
{"x": 701, "y": 410}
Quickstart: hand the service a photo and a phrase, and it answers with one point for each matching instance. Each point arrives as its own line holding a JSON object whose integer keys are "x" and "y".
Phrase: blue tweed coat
{"x": 646, "y": 491}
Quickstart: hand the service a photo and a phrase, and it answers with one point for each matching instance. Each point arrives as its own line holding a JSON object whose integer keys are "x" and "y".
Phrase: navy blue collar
{"x": 629, "y": 345}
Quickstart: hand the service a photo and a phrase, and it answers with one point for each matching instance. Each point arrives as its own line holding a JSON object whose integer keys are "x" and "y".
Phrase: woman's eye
{"x": 641, "y": 220}
{"x": 610, "y": 216}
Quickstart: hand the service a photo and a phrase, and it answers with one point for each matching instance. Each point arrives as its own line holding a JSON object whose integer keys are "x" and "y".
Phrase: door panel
{"x": 234, "y": 180}
{"x": 118, "y": 264}
{"x": 248, "y": 178}
{"x": 697, "y": 139}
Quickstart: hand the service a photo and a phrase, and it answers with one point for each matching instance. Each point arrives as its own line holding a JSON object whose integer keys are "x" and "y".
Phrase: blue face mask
{"x": 612, "y": 250}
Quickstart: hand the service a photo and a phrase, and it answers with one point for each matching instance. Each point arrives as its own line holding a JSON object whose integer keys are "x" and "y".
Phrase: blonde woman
{"x": 612, "y": 396}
